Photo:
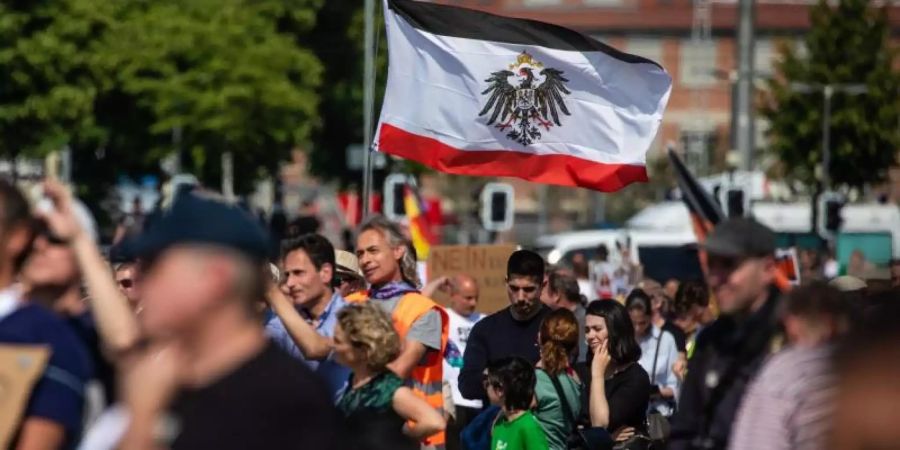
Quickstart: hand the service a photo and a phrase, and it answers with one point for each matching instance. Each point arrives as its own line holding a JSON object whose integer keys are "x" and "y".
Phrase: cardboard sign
{"x": 485, "y": 263}
{"x": 21, "y": 366}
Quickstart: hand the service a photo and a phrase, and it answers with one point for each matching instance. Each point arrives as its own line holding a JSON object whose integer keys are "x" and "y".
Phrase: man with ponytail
{"x": 558, "y": 387}
{"x": 388, "y": 263}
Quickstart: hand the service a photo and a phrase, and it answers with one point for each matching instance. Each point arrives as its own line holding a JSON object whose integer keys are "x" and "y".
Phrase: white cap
{"x": 848, "y": 283}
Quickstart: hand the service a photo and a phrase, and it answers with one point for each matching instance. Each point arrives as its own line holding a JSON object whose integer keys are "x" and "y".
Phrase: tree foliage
{"x": 339, "y": 42}
{"x": 114, "y": 79}
{"x": 847, "y": 44}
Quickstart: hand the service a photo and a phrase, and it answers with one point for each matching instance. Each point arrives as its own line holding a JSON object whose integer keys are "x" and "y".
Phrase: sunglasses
{"x": 126, "y": 283}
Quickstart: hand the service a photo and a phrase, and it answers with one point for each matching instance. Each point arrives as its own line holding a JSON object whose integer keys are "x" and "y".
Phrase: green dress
{"x": 523, "y": 433}
{"x": 369, "y": 417}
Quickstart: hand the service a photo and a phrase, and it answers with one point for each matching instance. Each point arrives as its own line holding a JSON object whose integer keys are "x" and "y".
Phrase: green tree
{"x": 222, "y": 73}
{"x": 846, "y": 44}
{"x": 338, "y": 40}
{"x": 48, "y": 86}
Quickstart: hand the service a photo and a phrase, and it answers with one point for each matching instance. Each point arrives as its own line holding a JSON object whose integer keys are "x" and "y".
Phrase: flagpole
{"x": 368, "y": 103}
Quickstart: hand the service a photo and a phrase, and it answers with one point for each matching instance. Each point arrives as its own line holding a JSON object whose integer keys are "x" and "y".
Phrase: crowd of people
{"x": 191, "y": 334}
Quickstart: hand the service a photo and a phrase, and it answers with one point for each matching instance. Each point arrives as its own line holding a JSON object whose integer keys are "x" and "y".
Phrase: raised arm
{"x": 116, "y": 322}
{"x": 599, "y": 406}
{"x": 313, "y": 345}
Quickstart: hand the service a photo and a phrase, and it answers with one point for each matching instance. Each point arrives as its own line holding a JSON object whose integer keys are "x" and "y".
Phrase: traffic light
{"x": 830, "y": 218}
{"x": 497, "y": 207}
{"x": 833, "y": 219}
{"x": 394, "y": 187}
{"x": 735, "y": 202}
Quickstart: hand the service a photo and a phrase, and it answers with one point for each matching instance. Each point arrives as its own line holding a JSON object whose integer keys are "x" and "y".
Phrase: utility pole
{"x": 368, "y": 104}
{"x": 744, "y": 101}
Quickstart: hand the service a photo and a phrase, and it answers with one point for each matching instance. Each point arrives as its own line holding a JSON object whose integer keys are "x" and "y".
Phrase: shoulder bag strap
{"x": 656, "y": 355}
{"x": 567, "y": 409}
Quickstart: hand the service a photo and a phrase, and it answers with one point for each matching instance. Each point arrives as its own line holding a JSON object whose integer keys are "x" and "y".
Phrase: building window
{"x": 647, "y": 47}
{"x": 698, "y": 148}
{"x": 698, "y": 63}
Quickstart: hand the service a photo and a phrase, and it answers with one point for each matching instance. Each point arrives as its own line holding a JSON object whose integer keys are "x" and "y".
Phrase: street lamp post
{"x": 828, "y": 90}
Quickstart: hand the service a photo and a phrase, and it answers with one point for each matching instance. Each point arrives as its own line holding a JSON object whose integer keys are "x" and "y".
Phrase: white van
{"x": 660, "y": 238}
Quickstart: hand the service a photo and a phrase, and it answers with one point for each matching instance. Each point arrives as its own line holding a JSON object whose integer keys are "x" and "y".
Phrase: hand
{"x": 601, "y": 359}
{"x": 623, "y": 434}
{"x": 60, "y": 220}
{"x": 152, "y": 378}
{"x": 680, "y": 368}
{"x": 273, "y": 294}
{"x": 441, "y": 284}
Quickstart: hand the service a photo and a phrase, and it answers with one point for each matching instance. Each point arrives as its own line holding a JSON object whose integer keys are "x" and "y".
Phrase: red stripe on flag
{"x": 562, "y": 170}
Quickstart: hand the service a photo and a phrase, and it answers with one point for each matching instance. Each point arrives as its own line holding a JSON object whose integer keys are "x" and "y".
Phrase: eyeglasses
{"x": 126, "y": 283}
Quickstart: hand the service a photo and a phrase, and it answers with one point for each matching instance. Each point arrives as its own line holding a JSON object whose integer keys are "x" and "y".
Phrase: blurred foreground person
{"x": 379, "y": 411}
{"x": 730, "y": 351}
{"x": 44, "y": 365}
{"x": 868, "y": 367}
{"x": 789, "y": 404}
{"x": 210, "y": 378}
{"x": 126, "y": 274}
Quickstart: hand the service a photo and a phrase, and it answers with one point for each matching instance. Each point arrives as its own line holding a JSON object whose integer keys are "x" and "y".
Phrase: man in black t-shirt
{"x": 210, "y": 379}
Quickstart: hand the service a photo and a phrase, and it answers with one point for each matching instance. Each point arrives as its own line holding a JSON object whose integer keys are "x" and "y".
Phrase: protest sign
{"x": 485, "y": 263}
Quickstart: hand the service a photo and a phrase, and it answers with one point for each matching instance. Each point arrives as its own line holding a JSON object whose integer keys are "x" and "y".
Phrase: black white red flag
{"x": 473, "y": 93}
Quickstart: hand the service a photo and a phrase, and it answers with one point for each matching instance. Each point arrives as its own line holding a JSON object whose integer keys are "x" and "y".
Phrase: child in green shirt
{"x": 510, "y": 384}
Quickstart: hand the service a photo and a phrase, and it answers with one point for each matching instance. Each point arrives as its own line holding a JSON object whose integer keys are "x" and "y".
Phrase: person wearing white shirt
{"x": 658, "y": 354}
{"x": 463, "y": 299}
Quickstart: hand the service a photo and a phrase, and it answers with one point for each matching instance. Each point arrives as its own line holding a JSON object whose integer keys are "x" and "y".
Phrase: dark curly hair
{"x": 515, "y": 378}
{"x": 623, "y": 347}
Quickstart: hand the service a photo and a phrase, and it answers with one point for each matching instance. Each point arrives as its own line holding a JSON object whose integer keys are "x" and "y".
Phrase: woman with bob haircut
{"x": 380, "y": 412}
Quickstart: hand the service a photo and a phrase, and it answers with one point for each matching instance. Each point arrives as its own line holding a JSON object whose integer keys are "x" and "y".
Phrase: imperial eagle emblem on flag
{"x": 533, "y": 100}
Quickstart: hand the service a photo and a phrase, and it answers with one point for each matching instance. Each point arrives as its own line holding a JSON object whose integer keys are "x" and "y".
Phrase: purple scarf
{"x": 391, "y": 290}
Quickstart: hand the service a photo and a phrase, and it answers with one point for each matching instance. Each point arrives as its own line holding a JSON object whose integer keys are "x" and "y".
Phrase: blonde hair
{"x": 395, "y": 238}
{"x": 370, "y": 328}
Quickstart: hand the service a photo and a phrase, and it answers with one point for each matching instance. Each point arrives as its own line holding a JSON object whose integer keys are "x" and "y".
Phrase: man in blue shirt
{"x": 53, "y": 415}
{"x": 306, "y": 307}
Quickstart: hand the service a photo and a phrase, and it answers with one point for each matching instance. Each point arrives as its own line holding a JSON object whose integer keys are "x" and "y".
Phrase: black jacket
{"x": 727, "y": 355}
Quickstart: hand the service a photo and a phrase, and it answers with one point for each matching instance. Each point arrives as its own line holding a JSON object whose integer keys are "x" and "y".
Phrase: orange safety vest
{"x": 427, "y": 378}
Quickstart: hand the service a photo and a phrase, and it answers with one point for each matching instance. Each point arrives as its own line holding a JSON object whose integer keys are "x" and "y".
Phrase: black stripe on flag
{"x": 471, "y": 24}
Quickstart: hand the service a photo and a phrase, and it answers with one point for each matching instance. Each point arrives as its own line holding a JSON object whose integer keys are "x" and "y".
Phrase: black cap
{"x": 201, "y": 219}
{"x": 740, "y": 237}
